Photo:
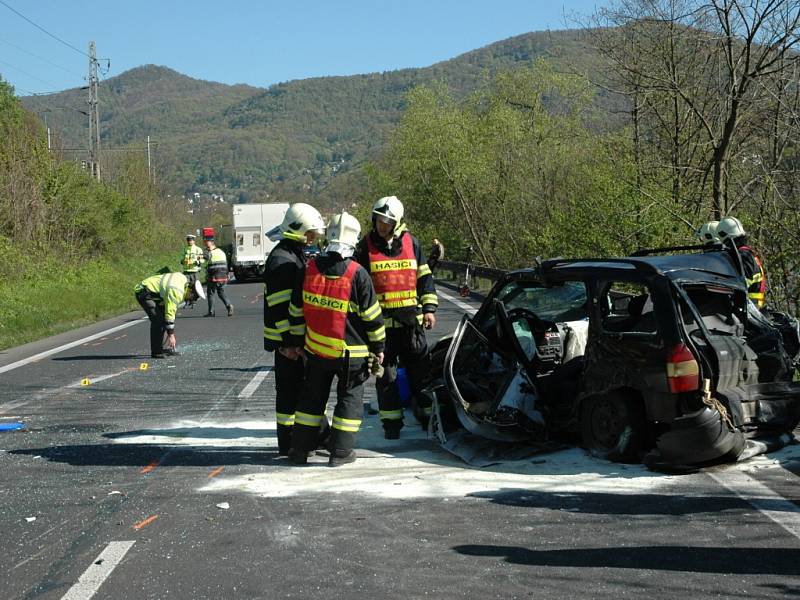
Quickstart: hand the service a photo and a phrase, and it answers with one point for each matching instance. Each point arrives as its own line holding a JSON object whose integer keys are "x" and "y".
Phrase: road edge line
{"x": 97, "y": 572}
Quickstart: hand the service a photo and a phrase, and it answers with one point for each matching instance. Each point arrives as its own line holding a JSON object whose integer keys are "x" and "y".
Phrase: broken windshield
{"x": 559, "y": 303}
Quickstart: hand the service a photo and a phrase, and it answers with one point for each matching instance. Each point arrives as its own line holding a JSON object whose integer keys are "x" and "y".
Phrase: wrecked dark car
{"x": 654, "y": 357}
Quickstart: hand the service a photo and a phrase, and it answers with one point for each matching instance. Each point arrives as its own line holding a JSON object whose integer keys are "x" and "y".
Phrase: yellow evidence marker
{"x": 85, "y": 382}
{"x": 143, "y": 367}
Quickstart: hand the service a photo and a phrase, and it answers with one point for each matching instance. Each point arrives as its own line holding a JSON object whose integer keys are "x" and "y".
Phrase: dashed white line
{"x": 759, "y": 496}
{"x": 98, "y": 379}
{"x": 46, "y": 353}
{"x": 94, "y": 576}
{"x": 251, "y": 387}
{"x": 468, "y": 308}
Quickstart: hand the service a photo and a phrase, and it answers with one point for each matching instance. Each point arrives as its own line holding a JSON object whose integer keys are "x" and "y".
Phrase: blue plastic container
{"x": 12, "y": 426}
{"x": 403, "y": 387}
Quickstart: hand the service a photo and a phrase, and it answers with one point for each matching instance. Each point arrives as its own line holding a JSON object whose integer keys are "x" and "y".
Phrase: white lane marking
{"x": 94, "y": 576}
{"x": 46, "y": 353}
{"x": 98, "y": 379}
{"x": 468, "y": 308}
{"x": 251, "y": 387}
{"x": 759, "y": 496}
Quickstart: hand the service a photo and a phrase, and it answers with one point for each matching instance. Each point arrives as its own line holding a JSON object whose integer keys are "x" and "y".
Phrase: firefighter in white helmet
{"x": 335, "y": 320}
{"x": 731, "y": 233}
{"x": 707, "y": 233}
{"x": 301, "y": 227}
{"x": 406, "y": 291}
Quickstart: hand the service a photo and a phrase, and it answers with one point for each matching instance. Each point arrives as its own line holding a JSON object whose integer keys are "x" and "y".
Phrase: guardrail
{"x": 481, "y": 278}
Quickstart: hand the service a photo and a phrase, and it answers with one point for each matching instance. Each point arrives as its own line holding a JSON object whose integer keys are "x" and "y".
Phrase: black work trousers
{"x": 319, "y": 374}
{"x": 158, "y": 323}
{"x": 405, "y": 346}
{"x": 289, "y": 375}
{"x": 215, "y": 288}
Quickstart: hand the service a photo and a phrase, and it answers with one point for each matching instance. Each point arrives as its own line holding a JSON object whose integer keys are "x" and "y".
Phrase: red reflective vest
{"x": 326, "y": 302}
{"x": 395, "y": 277}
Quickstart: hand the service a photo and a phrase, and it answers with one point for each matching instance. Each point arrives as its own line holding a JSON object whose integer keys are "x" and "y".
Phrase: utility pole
{"x": 149, "y": 169}
{"x": 94, "y": 116}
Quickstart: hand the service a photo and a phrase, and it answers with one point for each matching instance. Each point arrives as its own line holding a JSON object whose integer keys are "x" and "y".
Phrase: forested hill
{"x": 289, "y": 139}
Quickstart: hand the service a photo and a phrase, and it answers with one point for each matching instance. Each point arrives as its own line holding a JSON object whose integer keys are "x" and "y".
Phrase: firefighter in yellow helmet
{"x": 301, "y": 226}
{"x": 160, "y": 296}
{"x": 731, "y": 233}
{"x": 407, "y": 294}
{"x": 335, "y": 315}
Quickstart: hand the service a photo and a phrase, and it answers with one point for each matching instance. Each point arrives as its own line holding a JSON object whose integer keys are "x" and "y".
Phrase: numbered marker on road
{"x": 143, "y": 367}
{"x": 85, "y": 382}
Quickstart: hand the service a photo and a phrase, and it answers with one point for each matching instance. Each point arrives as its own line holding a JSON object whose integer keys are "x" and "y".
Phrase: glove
{"x": 374, "y": 365}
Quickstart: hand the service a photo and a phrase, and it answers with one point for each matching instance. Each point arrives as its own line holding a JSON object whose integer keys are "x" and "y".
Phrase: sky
{"x": 257, "y": 43}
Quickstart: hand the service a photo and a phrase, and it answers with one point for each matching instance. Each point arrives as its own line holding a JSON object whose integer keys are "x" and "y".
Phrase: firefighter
{"x": 160, "y": 296}
{"x": 707, "y": 233}
{"x": 192, "y": 259}
{"x": 406, "y": 292}
{"x": 730, "y": 228}
{"x": 335, "y": 314}
{"x": 300, "y": 227}
{"x": 216, "y": 275}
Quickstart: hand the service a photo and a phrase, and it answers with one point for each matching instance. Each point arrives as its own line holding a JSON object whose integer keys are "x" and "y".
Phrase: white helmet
{"x": 343, "y": 233}
{"x": 298, "y": 220}
{"x": 390, "y": 208}
{"x": 707, "y": 232}
{"x": 198, "y": 288}
{"x": 730, "y": 228}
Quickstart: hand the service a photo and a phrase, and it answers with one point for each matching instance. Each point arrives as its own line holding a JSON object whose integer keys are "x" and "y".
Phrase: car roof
{"x": 699, "y": 267}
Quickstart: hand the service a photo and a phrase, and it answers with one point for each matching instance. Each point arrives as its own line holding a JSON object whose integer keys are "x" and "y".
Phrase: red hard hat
{"x": 208, "y": 233}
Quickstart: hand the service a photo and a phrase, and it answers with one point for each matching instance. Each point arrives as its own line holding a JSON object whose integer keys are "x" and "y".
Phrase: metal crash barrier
{"x": 467, "y": 276}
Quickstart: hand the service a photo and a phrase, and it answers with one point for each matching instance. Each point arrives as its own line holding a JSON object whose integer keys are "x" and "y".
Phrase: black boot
{"x": 298, "y": 457}
{"x": 341, "y": 457}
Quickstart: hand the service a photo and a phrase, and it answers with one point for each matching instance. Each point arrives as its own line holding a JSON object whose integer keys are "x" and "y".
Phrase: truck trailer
{"x": 244, "y": 240}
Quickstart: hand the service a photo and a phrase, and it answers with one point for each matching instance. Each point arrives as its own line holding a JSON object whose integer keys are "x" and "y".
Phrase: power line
{"x": 2, "y": 41}
{"x": 40, "y": 28}
{"x": 48, "y": 83}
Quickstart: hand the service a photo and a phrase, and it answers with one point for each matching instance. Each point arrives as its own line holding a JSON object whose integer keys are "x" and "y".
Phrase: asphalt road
{"x": 160, "y": 479}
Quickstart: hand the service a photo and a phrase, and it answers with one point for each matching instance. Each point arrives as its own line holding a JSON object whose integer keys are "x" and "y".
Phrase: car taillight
{"x": 683, "y": 372}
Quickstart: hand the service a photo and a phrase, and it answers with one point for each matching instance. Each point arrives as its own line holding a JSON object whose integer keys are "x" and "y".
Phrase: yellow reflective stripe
{"x": 427, "y": 411}
{"x": 399, "y": 303}
{"x": 322, "y": 339}
{"x": 400, "y": 294}
{"x": 301, "y": 418}
{"x": 371, "y": 313}
{"x": 429, "y": 299}
{"x": 295, "y": 311}
{"x": 285, "y": 419}
{"x": 392, "y": 324}
{"x": 272, "y": 334}
{"x": 423, "y": 270}
{"x": 328, "y": 302}
{"x": 297, "y": 329}
{"x": 352, "y": 307}
{"x": 378, "y": 335}
{"x": 279, "y": 297}
{"x": 390, "y": 415}
{"x": 350, "y": 425}
{"x": 358, "y": 351}
{"x": 320, "y": 350}
{"x": 393, "y": 265}
{"x": 282, "y": 326}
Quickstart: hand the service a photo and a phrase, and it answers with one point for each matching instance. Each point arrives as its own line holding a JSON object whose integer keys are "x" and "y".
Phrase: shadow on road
{"x": 101, "y": 357}
{"x": 728, "y": 561}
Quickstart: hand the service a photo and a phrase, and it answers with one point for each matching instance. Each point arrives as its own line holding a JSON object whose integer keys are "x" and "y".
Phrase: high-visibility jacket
{"x": 192, "y": 259}
{"x": 402, "y": 277}
{"x": 335, "y": 310}
{"x": 284, "y": 263}
{"x": 217, "y": 269}
{"x": 754, "y": 276}
{"x": 168, "y": 289}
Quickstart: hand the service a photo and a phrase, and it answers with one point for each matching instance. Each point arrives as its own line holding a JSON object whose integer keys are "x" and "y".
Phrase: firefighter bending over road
{"x": 406, "y": 292}
{"x": 730, "y": 228}
{"x": 300, "y": 227}
{"x": 335, "y": 314}
{"x": 160, "y": 296}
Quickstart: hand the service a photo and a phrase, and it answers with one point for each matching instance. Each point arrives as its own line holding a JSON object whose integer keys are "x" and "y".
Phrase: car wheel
{"x": 613, "y": 427}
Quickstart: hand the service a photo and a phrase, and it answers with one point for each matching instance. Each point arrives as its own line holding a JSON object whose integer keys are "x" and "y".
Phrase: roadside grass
{"x": 59, "y": 298}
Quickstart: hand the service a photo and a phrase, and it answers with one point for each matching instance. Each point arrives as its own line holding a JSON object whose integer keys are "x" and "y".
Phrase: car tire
{"x": 613, "y": 427}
